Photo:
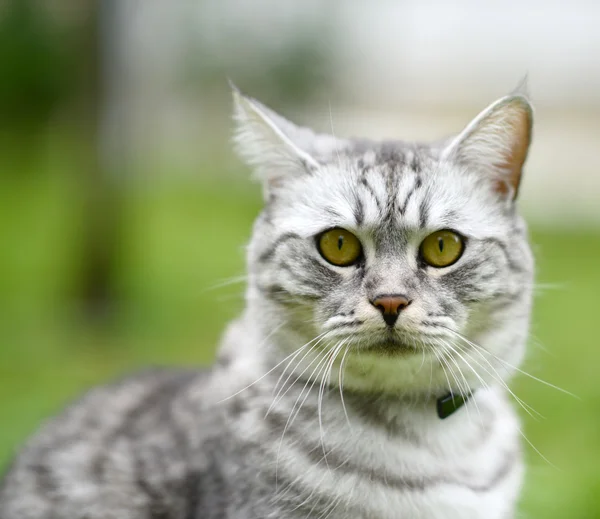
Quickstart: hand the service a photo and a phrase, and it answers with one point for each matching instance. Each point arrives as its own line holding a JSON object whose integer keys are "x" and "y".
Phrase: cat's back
{"x": 128, "y": 449}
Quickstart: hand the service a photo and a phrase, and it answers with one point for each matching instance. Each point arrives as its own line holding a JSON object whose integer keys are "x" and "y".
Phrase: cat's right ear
{"x": 269, "y": 143}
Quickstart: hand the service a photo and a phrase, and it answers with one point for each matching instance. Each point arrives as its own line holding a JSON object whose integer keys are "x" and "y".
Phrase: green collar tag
{"x": 450, "y": 403}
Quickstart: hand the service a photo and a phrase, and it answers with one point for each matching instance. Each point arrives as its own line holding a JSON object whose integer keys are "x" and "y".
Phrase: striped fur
{"x": 316, "y": 407}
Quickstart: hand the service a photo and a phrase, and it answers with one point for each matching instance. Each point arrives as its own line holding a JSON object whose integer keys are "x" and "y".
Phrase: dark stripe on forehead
{"x": 415, "y": 164}
{"x": 390, "y": 154}
{"x": 423, "y": 213}
{"x": 371, "y": 191}
{"x": 416, "y": 185}
{"x": 270, "y": 252}
{"x": 334, "y": 213}
{"x": 359, "y": 210}
{"x": 391, "y": 183}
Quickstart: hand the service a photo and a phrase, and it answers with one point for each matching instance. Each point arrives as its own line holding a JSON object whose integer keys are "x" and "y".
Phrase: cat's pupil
{"x": 340, "y": 242}
{"x": 441, "y": 244}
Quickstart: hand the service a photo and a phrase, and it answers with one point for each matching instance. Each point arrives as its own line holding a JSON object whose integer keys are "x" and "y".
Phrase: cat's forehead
{"x": 390, "y": 155}
{"x": 388, "y": 187}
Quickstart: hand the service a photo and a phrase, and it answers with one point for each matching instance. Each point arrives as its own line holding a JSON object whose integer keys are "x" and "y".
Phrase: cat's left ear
{"x": 496, "y": 142}
{"x": 271, "y": 144}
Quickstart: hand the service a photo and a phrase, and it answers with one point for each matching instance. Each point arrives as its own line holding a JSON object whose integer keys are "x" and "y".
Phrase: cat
{"x": 388, "y": 304}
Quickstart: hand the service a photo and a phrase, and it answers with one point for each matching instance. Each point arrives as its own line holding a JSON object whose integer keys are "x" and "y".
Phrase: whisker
{"x": 308, "y": 499}
{"x": 341, "y": 384}
{"x": 523, "y": 404}
{"x": 509, "y": 365}
{"x": 463, "y": 386}
{"x": 498, "y": 378}
{"x": 430, "y": 379}
{"x": 537, "y": 451}
{"x": 318, "y": 338}
{"x": 538, "y": 287}
{"x": 332, "y": 506}
{"x": 324, "y": 381}
{"x": 483, "y": 383}
{"x": 459, "y": 384}
{"x": 225, "y": 283}
{"x": 292, "y": 416}
{"x": 279, "y": 398}
{"x": 267, "y": 373}
{"x": 442, "y": 363}
{"x": 414, "y": 345}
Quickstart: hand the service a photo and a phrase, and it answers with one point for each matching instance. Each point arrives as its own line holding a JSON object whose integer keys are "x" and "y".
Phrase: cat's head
{"x": 408, "y": 258}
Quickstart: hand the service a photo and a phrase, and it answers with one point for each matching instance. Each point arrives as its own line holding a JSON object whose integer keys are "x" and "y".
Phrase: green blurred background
{"x": 123, "y": 215}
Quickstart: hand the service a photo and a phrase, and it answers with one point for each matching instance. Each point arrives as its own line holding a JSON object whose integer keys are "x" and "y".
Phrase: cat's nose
{"x": 390, "y": 306}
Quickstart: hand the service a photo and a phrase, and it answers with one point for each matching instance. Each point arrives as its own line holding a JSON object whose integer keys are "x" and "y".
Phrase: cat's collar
{"x": 450, "y": 403}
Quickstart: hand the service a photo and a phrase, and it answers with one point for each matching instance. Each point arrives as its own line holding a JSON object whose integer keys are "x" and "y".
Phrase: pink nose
{"x": 390, "y": 306}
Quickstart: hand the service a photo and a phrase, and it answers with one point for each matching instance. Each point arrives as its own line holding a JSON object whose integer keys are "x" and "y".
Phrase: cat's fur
{"x": 208, "y": 445}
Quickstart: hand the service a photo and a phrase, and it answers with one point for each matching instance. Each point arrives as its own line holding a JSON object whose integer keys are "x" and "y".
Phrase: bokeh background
{"x": 123, "y": 213}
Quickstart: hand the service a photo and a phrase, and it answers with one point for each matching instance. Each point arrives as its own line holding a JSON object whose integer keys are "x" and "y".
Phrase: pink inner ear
{"x": 502, "y": 187}
{"x": 515, "y": 158}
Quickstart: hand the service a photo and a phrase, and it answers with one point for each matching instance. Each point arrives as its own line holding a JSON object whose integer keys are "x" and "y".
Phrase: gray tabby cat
{"x": 388, "y": 302}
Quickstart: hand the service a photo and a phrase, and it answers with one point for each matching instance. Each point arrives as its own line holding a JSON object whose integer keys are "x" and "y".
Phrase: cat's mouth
{"x": 381, "y": 342}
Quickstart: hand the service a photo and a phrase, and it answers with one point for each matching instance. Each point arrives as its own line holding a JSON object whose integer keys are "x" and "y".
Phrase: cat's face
{"x": 399, "y": 256}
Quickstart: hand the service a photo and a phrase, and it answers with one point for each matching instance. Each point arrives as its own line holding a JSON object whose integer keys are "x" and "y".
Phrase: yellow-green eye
{"x": 442, "y": 248}
{"x": 340, "y": 247}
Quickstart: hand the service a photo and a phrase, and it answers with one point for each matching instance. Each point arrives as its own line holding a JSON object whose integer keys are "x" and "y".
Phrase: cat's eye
{"x": 339, "y": 247}
{"x": 442, "y": 248}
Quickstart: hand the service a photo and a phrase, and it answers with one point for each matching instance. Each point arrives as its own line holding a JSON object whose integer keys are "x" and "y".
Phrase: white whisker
{"x": 509, "y": 365}
{"x": 267, "y": 373}
{"x": 505, "y": 386}
{"x": 498, "y": 378}
{"x": 324, "y": 381}
{"x": 293, "y": 413}
{"x": 483, "y": 383}
{"x": 318, "y": 338}
{"x": 462, "y": 386}
{"x": 341, "y": 384}
{"x": 225, "y": 283}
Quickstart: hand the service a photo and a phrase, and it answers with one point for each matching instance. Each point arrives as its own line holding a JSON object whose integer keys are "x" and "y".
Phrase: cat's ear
{"x": 496, "y": 142}
{"x": 274, "y": 146}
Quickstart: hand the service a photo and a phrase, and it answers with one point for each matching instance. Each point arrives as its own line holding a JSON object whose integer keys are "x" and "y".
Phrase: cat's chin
{"x": 388, "y": 345}
{"x": 389, "y": 350}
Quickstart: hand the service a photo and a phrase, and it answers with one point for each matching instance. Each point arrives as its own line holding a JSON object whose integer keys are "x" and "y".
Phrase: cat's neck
{"x": 249, "y": 380}
{"x": 252, "y": 359}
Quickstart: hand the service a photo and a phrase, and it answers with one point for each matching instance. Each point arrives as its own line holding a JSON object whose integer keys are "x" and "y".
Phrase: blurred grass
{"x": 181, "y": 237}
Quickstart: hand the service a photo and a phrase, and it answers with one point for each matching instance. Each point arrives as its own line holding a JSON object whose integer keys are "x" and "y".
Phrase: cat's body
{"x": 267, "y": 432}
